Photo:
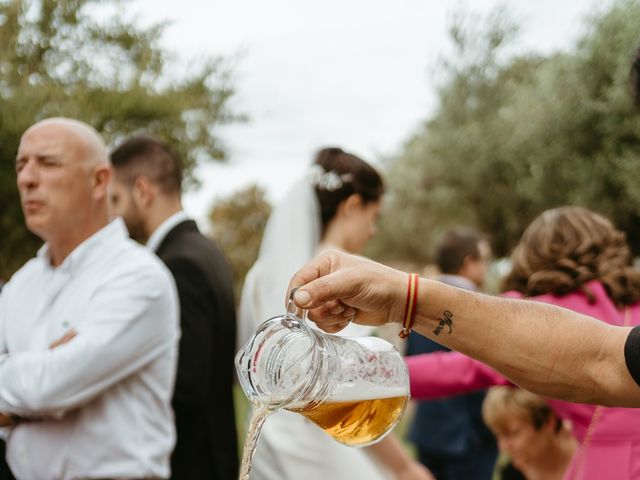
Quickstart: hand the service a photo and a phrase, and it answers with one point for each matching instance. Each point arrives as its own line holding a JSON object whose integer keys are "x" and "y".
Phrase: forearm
{"x": 545, "y": 349}
{"x": 441, "y": 374}
{"x": 390, "y": 453}
{"x": 117, "y": 339}
{"x": 51, "y": 382}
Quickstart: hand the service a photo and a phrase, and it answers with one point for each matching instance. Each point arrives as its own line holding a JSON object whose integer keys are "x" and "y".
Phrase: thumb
{"x": 320, "y": 291}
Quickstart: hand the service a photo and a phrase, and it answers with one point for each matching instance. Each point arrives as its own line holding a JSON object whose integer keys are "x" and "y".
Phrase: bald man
{"x": 88, "y": 328}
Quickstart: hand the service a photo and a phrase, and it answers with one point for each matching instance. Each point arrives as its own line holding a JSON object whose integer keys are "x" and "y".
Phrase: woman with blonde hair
{"x": 573, "y": 258}
{"x": 539, "y": 444}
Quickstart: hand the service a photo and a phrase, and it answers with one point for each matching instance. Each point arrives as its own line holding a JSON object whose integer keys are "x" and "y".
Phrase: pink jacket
{"x": 614, "y": 449}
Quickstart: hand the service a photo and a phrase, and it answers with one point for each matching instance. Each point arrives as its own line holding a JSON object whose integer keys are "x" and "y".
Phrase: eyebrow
{"x": 40, "y": 156}
{"x": 20, "y": 159}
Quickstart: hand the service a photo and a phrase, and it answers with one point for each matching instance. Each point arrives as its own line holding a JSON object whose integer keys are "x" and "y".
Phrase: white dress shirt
{"x": 101, "y": 403}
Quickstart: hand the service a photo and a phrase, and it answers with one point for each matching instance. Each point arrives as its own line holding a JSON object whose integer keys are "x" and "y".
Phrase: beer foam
{"x": 346, "y": 393}
{"x": 365, "y": 391}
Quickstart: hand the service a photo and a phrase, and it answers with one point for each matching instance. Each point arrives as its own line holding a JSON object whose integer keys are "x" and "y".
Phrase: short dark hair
{"x": 356, "y": 176}
{"x": 152, "y": 157}
{"x": 454, "y": 246}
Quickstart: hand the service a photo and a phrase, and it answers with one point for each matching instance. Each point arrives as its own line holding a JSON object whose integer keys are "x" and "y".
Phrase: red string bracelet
{"x": 410, "y": 306}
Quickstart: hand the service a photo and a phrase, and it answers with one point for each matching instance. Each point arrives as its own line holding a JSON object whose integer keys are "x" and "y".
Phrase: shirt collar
{"x": 114, "y": 229}
{"x": 165, "y": 227}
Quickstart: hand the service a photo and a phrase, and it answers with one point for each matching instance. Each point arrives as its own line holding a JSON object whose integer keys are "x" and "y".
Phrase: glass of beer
{"x": 355, "y": 389}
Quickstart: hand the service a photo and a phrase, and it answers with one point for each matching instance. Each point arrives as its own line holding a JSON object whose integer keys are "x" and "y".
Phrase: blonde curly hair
{"x": 566, "y": 247}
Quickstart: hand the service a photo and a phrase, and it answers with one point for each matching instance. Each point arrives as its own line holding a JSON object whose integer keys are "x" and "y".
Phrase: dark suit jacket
{"x": 452, "y": 426}
{"x": 207, "y": 444}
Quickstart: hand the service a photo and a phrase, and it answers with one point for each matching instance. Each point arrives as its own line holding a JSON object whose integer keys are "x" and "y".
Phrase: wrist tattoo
{"x": 446, "y": 320}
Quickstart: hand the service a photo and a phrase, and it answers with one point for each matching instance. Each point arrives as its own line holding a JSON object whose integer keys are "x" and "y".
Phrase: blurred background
{"x": 482, "y": 113}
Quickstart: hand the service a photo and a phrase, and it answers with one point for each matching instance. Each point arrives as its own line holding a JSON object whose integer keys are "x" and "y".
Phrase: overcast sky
{"x": 354, "y": 73}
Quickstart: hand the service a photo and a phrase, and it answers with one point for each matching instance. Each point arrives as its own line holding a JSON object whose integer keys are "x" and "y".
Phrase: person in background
{"x": 576, "y": 259}
{"x": 88, "y": 328}
{"x": 335, "y": 205}
{"x": 147, "y": 194}
{"x": 450, "y": 437}
{"x": 539, "y": 444}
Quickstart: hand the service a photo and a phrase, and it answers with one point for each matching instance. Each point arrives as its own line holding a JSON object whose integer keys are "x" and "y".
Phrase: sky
{"x": 359, "y": 74}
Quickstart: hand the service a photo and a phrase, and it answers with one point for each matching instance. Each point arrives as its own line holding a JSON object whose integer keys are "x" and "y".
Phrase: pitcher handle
{"x": 297, "y": 312}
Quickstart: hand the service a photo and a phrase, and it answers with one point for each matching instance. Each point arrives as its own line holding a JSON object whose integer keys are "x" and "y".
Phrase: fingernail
{"x": 337, "y": 310}
{"x": 302, "y": 298}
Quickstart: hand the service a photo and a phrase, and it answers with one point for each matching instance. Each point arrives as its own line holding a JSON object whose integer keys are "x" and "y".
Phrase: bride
{"x": 335, "y": 205}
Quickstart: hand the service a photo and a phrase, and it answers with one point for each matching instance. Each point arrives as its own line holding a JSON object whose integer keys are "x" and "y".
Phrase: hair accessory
{"x": 410, "y": 306}
{"x": 330, "y": 181}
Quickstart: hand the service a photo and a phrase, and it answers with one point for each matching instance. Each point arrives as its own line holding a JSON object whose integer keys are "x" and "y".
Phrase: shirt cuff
{"x": 632, "y": 353}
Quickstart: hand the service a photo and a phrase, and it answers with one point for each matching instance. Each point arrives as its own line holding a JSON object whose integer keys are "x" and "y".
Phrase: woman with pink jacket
{"x": 573, "y": 258}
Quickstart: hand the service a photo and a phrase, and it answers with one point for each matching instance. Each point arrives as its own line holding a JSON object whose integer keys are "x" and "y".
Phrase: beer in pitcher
{"x": 355, "y": 389}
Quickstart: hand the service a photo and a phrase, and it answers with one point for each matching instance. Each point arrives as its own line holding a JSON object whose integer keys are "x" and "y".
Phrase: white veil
{"x": 290, "y": 239}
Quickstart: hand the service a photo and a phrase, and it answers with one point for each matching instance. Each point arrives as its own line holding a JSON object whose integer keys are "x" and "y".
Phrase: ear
{"x": 143, "y": 192}
{"x": 467, "y": 262}
{"x": 101, "y": 180}
{"x": 352, "y": 204}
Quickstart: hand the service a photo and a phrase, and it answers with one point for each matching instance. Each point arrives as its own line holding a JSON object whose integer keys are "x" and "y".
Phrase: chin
{"x": 33, "y": 223}
{"x": 517, "y": 462}
{"x": 37, "y": 229}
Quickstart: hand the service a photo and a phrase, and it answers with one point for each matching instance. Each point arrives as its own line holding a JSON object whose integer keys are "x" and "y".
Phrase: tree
{"x": 514, "y": 135}
{"x": 67, "y": 58}
{"x": 238, "y": 224}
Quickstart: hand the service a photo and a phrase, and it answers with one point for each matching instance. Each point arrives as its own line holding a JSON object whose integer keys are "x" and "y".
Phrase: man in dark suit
{"x": 450, "y": 436}
{"x": 147, "y": 193}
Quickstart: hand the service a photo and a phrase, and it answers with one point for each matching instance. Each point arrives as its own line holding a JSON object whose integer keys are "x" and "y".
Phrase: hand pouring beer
{"x": 355, "y": 389}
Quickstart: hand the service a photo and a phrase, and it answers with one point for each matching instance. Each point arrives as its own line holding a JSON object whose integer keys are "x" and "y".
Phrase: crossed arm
{"x": 126, "y": 327}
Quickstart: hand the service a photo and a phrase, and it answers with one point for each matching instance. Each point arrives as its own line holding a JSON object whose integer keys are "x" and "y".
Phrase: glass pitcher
{"x": 355, "y": 389}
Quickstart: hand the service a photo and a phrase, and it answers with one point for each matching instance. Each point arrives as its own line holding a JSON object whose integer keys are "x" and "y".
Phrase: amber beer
{"x": 356, "y": 423}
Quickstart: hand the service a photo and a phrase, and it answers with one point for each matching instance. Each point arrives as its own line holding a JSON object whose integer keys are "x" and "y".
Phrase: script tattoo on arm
{"x": 445, "y": 320}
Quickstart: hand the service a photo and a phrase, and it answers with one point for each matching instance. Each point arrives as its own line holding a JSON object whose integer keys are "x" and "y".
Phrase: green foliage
{"x": 514, "y": 135}
{"x": 238, "y": 224}
{"x": 85, "y": 59}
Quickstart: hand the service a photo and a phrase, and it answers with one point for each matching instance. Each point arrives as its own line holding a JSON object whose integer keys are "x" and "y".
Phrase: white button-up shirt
{"x": 100, "y": 403}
